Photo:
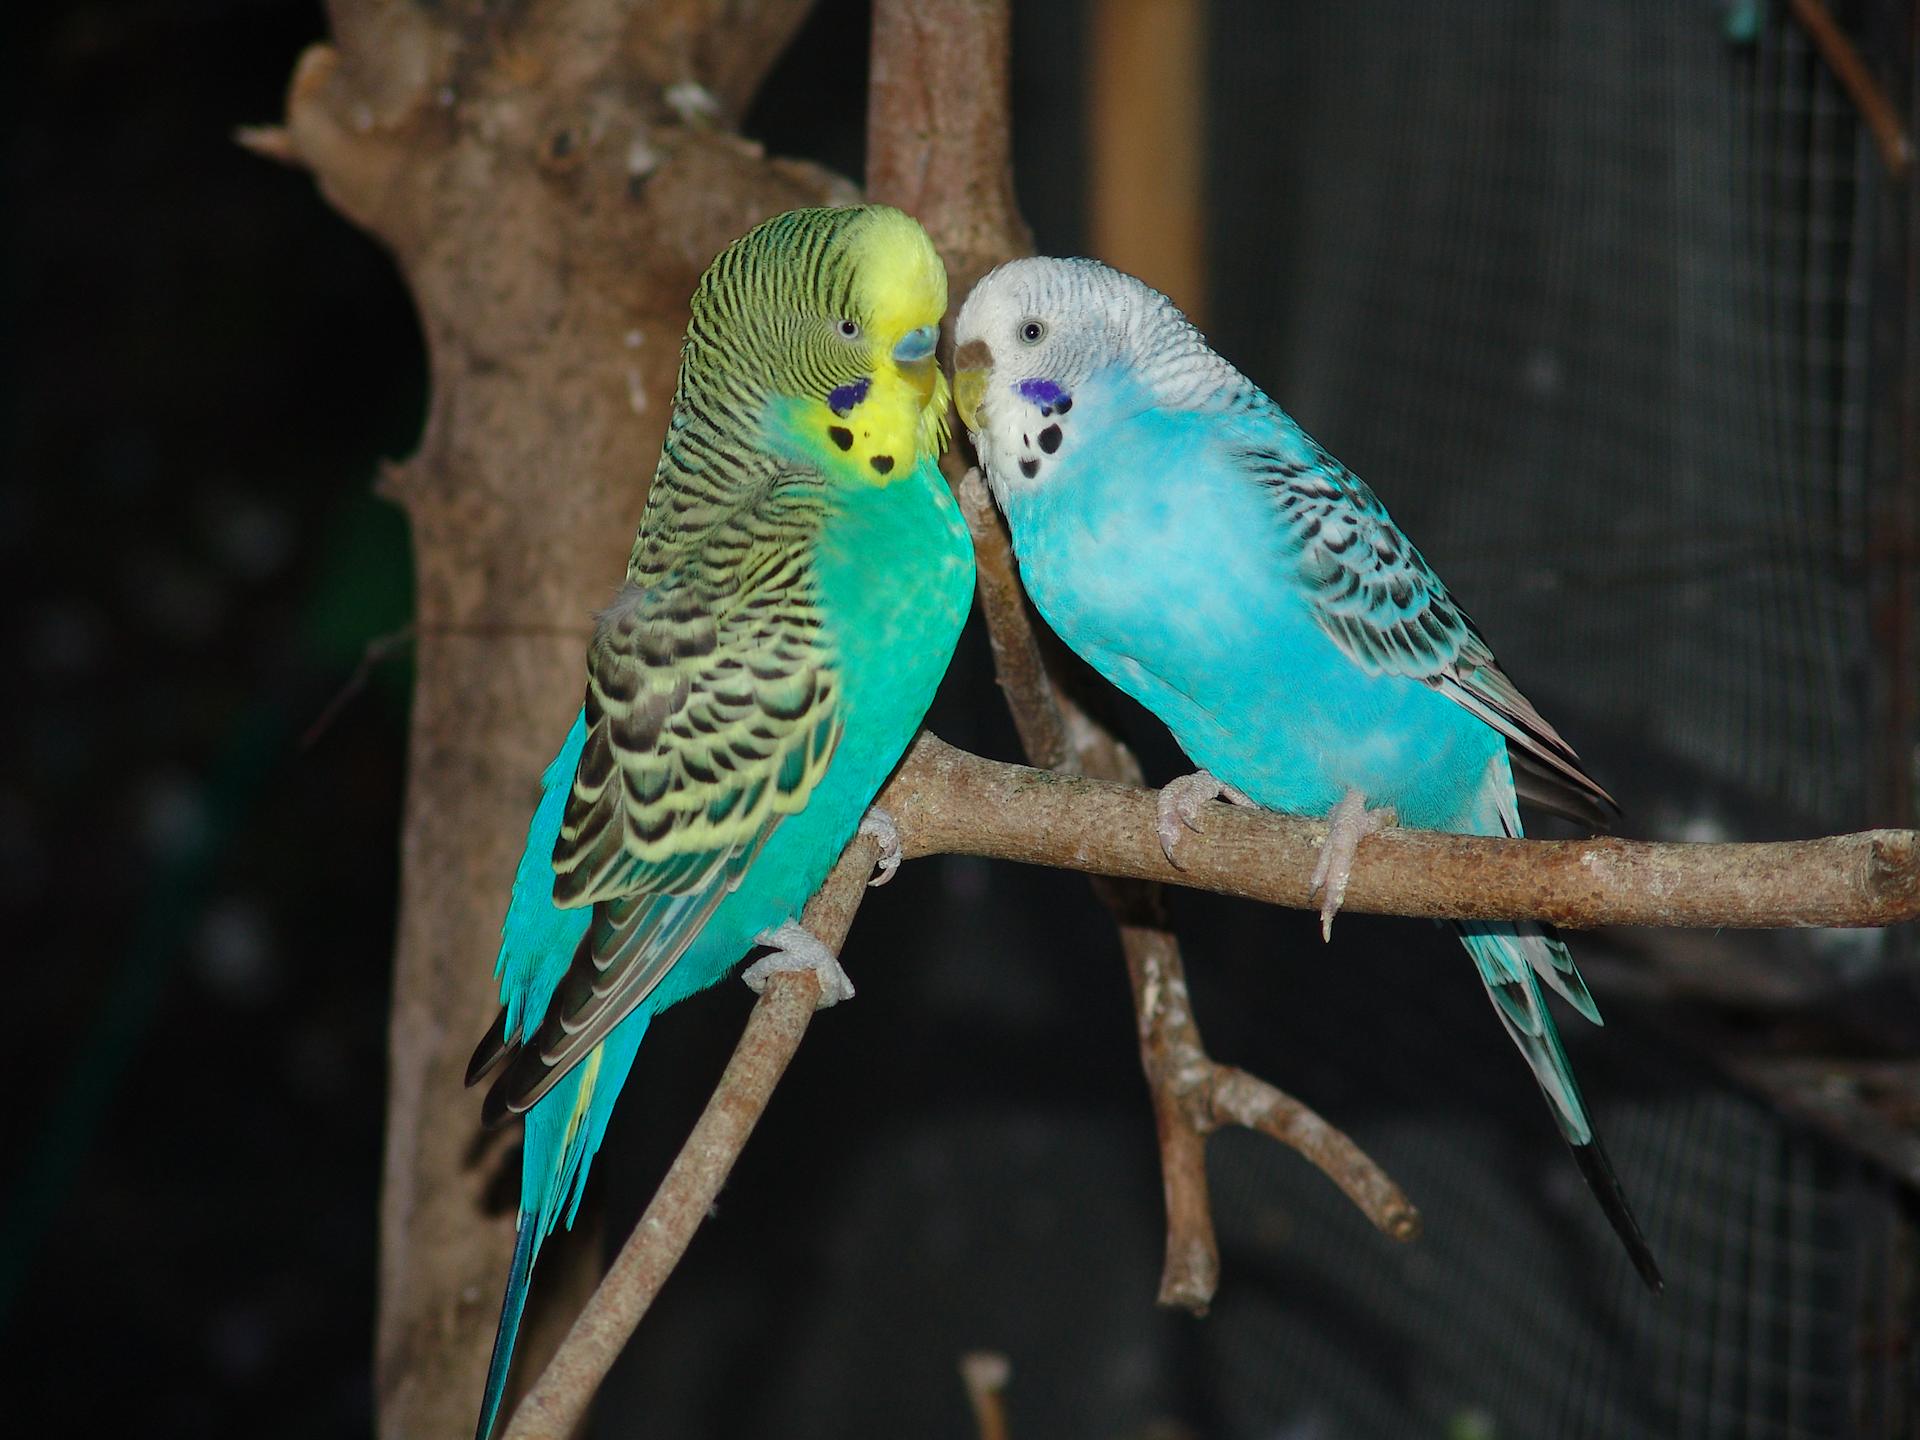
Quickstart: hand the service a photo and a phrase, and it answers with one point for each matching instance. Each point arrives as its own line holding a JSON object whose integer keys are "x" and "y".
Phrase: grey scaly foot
{"x": 1179, "y": 806}
{"x": 879, "y": 824}
{"x": 797, "y": 948}
{"x": 1348, "y": 823}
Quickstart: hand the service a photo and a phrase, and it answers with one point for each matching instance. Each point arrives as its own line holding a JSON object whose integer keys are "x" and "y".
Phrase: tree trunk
{"x": 551, "y": 179}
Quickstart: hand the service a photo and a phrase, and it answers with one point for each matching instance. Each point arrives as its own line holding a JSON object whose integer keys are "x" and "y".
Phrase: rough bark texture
{"x": 939, "y": 129}
{"x": 946, "y": 801}
{"x": 551, "y": 179}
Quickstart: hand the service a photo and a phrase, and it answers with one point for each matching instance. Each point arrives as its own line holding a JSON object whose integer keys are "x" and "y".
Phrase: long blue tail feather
{"x": 563, "y": 1134}
{"x": 1512, "y": 959}
{"x": 525, "y": 1246}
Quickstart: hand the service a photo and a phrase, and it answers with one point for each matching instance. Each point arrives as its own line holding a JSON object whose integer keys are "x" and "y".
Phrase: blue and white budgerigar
{"x": 800, "y": 577}
{"x": 1194, "y": 545}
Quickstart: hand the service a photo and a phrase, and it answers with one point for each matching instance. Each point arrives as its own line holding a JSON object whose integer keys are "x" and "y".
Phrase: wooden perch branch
{"x": 559, "y": 1398}
{"x": 939, "y": 129}
{"x": 947, "y": 801}
{"x": 1194, "y": 1095}
{"x": 1876, "y": 110}
{"x": 985, "y": 1373}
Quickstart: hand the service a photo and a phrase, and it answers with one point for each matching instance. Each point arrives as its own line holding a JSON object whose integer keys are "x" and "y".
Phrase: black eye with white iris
{"x": 849, "y": 329}
{"x": 1032, "y": 332}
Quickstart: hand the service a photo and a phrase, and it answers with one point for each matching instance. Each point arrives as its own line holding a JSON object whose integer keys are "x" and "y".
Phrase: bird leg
{"x": 1179, "y": 805}
{"x": 1348, "y": 823}
{"x": 879, "y": 824}
{"x": 797, "y": 948}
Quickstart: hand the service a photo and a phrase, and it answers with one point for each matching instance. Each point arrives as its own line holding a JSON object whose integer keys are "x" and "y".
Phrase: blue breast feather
{"x": 1159, "y": 557}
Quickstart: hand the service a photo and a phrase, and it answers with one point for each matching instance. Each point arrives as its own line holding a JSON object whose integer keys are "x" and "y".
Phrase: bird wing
{"x": 712, "y": 711}
{"x": 1377, "y": 598}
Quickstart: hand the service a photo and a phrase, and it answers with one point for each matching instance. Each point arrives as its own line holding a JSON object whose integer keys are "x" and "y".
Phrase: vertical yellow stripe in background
{"x": 1147, "y": 137}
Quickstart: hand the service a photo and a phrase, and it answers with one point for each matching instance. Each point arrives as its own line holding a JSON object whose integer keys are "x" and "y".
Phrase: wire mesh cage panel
{"x": 1745, "y": 1345}
{"x": 1515, "y": 1314}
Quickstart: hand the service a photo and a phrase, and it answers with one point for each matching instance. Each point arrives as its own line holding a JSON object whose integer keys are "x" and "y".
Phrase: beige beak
{"x": 921, "y": 375}
{"x": 969, "y": 388}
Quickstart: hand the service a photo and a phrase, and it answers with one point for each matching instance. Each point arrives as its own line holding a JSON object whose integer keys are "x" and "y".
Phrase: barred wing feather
{"x": 1377, "y": 598}
{"x": 712, "y": 712}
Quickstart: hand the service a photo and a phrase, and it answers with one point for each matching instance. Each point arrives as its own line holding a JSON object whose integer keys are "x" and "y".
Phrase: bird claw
{"x": 1178, "y": 807}
{"x": 1348, "y": 823}
{"x": 879, "y": 824}
{"x": 797, "y": 948}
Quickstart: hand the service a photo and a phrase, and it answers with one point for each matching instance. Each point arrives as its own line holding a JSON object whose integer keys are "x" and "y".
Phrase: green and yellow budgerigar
{"x": 799, "y": 579}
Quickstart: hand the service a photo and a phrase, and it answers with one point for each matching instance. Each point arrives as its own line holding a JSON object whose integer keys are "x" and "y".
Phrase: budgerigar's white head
{"x": 1034, "y": 332}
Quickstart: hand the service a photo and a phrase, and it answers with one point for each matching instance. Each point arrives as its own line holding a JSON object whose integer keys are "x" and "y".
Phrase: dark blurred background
{"x": 1611, "y": 302}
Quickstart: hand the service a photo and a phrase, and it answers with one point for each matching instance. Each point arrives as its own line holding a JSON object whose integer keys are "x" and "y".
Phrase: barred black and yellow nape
{"x": 814, "y": 332}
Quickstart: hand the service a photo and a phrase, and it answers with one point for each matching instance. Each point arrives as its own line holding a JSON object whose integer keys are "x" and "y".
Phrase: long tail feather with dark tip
{"x": 1541, "y": 786}
{"x": 1598, "y": 1170}
{"x": 1513, "y": 959}
{"x": 518, "y": 1277}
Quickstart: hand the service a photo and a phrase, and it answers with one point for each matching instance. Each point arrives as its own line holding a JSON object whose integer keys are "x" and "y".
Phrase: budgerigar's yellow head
{"x": 900, "y": 291}
{"x": 822, "y": 324}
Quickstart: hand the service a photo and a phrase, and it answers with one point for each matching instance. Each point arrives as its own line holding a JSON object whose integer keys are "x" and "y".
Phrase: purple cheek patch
{"x": 1043, "y": 393}
{"x": 842, "y": 398}
{"x": 1051, "y": 399}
